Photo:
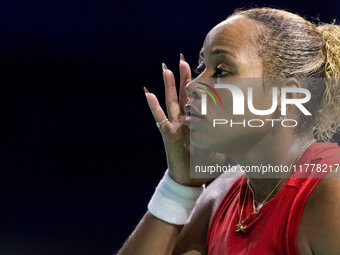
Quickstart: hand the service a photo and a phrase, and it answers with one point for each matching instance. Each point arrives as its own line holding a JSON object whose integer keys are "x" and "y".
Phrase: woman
{"x": 250, "y": 215}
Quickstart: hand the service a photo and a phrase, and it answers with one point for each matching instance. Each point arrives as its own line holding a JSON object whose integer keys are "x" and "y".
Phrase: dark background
{"x": 80, "y": 152}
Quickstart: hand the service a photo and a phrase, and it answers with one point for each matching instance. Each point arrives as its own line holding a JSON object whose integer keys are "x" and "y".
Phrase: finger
{"x": 185, "y": 78}
{"x": 171, "y": 98}
{"x": 156, "y": 109}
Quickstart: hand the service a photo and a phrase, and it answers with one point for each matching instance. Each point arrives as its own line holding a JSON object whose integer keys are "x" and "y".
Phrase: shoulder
{"x": 193, "y": 235}
{"x": 320, "y": 222}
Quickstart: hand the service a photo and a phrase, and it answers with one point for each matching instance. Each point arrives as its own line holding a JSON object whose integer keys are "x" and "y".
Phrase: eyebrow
{"x": 216, "y": 52}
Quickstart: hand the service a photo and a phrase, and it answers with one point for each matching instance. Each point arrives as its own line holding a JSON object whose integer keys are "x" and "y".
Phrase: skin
{"x": 235, "y": 35}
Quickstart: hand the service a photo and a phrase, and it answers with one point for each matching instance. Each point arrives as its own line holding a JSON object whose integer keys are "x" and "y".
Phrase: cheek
{"x": 263, "y": 99}
{"x": 223, "y": 109}
{"x": 248, "y": 93}
{"x": 259, "y": 100}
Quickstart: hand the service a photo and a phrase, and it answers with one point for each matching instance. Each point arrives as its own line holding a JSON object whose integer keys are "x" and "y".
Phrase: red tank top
{"x": 273, "y": 230}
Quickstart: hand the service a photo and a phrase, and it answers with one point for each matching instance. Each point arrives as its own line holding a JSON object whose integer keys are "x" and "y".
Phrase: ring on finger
{"x": 162, "y": 122}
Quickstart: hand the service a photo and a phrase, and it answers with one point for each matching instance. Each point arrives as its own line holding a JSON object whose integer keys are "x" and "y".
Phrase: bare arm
{"x": 154, "y": 236}
{"x": 151, "y": 236}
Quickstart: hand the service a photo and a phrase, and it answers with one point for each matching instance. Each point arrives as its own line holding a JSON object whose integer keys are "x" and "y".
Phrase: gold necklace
{"x": 240, "y": 227}
{"x": 255, "y": 208}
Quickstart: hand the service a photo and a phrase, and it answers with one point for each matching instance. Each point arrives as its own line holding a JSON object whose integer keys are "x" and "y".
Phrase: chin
{"x": 202, "y": 140}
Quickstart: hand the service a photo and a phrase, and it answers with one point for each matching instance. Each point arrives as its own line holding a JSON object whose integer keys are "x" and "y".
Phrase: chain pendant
{"x": 240, "y": 227}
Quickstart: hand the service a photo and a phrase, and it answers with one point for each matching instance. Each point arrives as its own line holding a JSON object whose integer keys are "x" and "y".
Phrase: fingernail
{"x": 164, "y": 67}
{"x": 146, "y": 91}
{"x": 181, "y": 57}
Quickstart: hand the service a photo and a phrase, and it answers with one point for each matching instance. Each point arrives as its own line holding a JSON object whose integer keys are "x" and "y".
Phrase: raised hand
{"x": 175, "y": 132}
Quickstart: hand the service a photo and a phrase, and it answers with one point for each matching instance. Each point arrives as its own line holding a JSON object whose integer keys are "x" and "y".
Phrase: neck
{"x": 284, "y": 151}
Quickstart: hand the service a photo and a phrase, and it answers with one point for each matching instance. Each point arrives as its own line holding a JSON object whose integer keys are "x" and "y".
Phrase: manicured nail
{"x": 181, "y": 57}
{"x": 146, "y": 91}
{"x": 164, "y": 67}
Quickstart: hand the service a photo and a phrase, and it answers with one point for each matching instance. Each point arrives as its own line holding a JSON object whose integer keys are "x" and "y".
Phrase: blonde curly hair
{"x": 291, "y": 46}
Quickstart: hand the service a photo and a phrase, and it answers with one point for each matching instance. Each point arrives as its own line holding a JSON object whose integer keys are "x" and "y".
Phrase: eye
{"x": 220, "y": 72}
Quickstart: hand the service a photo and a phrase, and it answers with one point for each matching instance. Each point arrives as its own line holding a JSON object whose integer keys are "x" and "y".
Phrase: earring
{"x": 282, "y": 117}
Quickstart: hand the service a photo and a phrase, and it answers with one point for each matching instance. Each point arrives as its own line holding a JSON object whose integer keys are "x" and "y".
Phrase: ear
{"x": 288, "y": 83}
{"x": 291, "y": 83}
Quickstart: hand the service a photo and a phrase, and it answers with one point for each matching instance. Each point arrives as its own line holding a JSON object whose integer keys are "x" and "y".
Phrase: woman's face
{"x": 229, "y": 56}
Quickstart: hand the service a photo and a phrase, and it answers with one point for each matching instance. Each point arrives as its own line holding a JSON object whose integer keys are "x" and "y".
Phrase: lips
{"x": 191, "y": 111}
{"x": 192, "y": 116}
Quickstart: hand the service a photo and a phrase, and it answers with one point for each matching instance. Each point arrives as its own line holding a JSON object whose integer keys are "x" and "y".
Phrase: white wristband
{"x": 173, "y": 202}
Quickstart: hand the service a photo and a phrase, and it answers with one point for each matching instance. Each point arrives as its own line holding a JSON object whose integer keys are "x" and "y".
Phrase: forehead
{"x": 236, "y": 34}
